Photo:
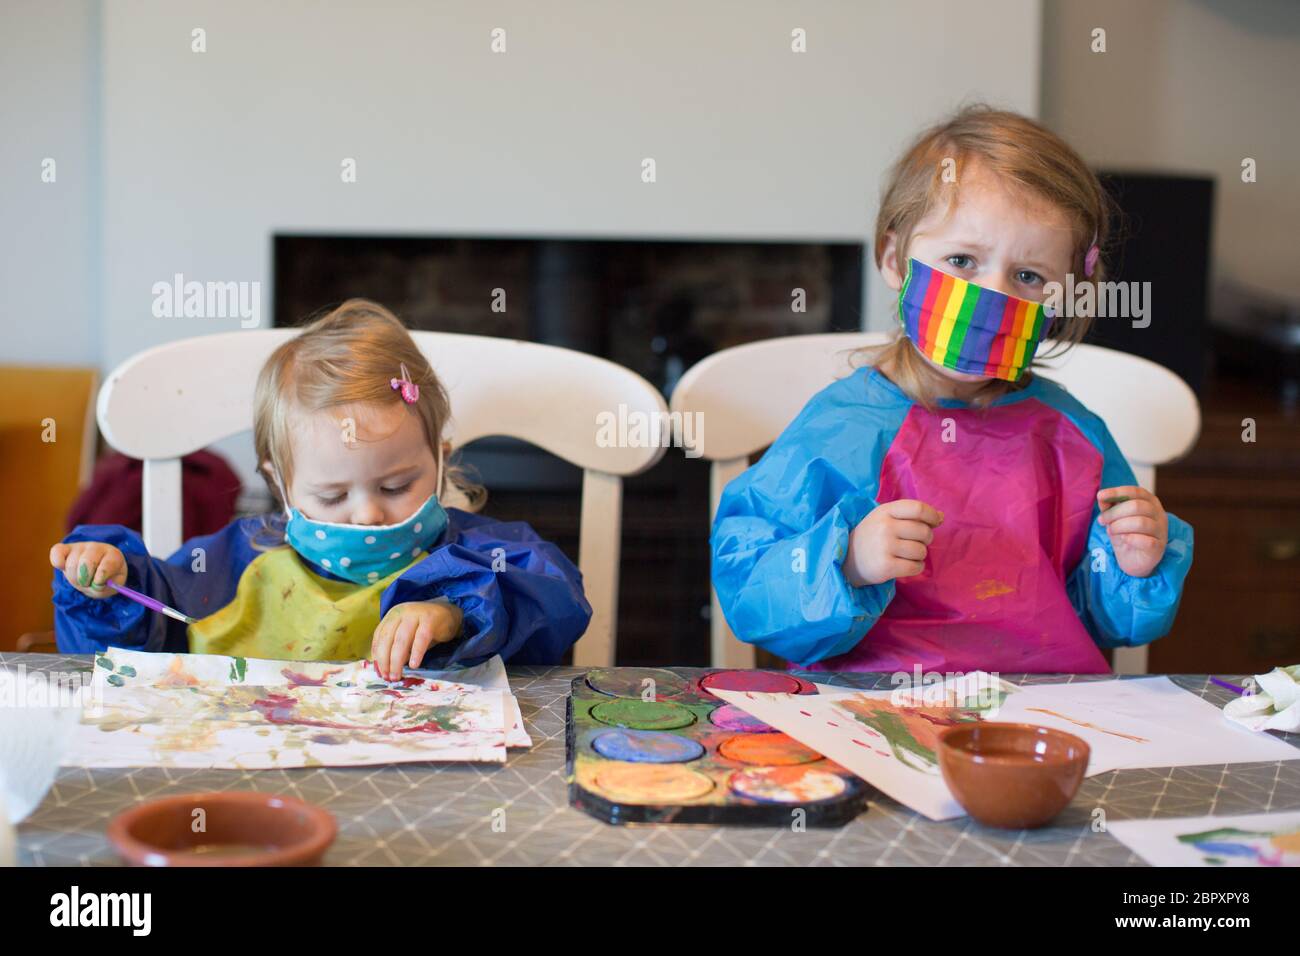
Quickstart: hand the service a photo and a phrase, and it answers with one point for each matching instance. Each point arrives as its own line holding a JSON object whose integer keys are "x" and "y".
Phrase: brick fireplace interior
{"x": 656, "y": 307}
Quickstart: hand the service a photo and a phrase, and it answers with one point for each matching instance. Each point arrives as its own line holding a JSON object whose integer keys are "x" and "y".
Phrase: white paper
{"x": 37, "y": 717}
{"x": 203, "y": 710}
{"x": 1259, "y": 839}
{"x": 1145, "y": 722}
{"x": 490, "y": 674}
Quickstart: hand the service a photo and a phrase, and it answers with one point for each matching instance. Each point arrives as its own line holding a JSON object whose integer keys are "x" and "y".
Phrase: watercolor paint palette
{"x": 654, "y": 745}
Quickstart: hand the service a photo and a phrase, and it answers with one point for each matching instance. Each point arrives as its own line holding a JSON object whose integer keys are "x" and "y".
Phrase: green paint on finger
{"x": 83, "y": 576}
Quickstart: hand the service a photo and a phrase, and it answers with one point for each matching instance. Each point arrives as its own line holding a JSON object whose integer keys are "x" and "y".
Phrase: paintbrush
{"x": 151, "y": 603}
{"x": 1232, "y": 687}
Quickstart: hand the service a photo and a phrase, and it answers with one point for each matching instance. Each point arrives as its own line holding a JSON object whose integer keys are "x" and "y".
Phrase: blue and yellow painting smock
{"x": 520, "y": 597}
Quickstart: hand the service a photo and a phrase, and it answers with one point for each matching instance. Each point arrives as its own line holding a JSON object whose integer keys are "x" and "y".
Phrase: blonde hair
{"x": 347, "y": 356}
{"x": 1018, "y": 151}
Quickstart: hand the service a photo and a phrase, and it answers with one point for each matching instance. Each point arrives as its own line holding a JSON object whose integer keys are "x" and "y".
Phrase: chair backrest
{"x": 749, "y": 394}
{"x": 174, "y": 399}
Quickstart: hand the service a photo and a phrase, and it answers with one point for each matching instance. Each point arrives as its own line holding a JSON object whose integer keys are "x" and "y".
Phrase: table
{"x": 452, "y": 814}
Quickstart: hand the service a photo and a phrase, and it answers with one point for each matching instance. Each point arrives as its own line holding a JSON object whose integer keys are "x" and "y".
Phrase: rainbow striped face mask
{"x": 968, "y": 328}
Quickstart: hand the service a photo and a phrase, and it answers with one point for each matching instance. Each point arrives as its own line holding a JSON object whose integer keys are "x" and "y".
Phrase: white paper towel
{"x": 1276, "y": 706}
{"x": 37, "y": 715}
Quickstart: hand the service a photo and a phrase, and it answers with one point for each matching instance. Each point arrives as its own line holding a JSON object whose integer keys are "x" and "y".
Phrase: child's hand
{"x": 406, "y": 632}
{"x": 1138, "y": 527}
{"x": 88, "y": 565}
{"x": 891, "y": 542}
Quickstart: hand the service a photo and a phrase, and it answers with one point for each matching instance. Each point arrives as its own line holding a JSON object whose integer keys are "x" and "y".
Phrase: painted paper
{"x": 1260, "y": 839}
{"x": 211, "y": 711}
{"x": 888, "y": 738}
{"x": 1144, "y": 722}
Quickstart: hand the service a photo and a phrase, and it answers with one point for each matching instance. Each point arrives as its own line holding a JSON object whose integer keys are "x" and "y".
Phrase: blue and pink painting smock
{"x": 1020, "y": 577}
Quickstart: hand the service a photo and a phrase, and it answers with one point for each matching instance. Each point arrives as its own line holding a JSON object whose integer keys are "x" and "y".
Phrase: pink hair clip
{"x": 410, "y": 391}
{"x": 1090, "y": 260}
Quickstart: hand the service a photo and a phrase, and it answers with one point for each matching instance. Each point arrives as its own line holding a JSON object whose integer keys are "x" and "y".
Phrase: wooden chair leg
{"x": 37, "y": 642}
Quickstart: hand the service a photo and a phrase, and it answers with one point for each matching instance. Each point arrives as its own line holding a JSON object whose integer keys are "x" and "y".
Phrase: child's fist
{"x": 88, "y": 565}
{"x": 408, "y": 630}
{"x": 891, "y": 542}
{"x": 1138, "y": 527}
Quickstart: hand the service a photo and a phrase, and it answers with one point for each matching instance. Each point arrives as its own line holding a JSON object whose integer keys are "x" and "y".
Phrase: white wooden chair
{"x": 174, "y": 399}
{"x": 749, "y": 394}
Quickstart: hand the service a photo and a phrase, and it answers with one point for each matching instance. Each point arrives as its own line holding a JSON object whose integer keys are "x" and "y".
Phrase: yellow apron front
{"x": 284, "y": 611}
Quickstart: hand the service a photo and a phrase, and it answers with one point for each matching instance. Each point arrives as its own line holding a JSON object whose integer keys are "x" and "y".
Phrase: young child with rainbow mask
{"x": 943, "y": 507}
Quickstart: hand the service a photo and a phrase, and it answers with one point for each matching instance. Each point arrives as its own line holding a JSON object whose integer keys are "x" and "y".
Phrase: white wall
{"x": 1191, "y": 86}
{"x": 50, "y": 303}
{"x": 206, "y": 155}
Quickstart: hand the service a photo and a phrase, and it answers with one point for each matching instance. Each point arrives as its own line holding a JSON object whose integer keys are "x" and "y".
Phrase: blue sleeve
{"x": 520, "y": 596}
{"x": 197, "y": 580}
{"x": 1117, "y": 609}
{"x": 782, "y": 528}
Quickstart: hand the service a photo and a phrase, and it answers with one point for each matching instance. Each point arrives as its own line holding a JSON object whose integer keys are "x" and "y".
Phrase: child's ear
{"x": 889, "y": 269}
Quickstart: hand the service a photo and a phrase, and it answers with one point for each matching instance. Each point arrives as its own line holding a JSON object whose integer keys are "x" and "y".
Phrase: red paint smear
{"x": 760, "y": 681}
{"x": 805, "y": 713}
{"x": 831, "y": 723}
{"x": 860, "y": 743}
{"x": 412, "y": 681}
{"x": 278, "y": 709}
{"x": 428, "y": 727}
{"x": 302, "y": 680}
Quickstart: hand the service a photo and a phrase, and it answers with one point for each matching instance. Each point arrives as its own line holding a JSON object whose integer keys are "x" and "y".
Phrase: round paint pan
{"x": 646, "y": 746}
{"x": 631, "y": 682}
{"x": 767, "y": 750}
{"x": 762, "y": 682}
{"x": 797, "y": 784}
{"x": 731, "y": 717}
{"x": 642, "y": 714}
{"x": 651, "y": 783}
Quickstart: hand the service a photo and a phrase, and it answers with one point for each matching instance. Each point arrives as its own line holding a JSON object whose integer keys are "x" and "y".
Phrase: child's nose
{"x": 368, "y": 512}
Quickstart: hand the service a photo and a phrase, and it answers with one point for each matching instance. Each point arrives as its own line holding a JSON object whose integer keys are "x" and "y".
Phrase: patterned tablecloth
{"x": 518, "y": 814}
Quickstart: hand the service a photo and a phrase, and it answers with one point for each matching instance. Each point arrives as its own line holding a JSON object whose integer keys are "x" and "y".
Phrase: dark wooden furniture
{"x": 1240, "y": 611}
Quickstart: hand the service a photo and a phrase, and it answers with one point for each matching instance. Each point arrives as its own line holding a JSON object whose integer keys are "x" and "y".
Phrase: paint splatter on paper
{"x": 1260, "y": 839}
{"x": 210, "y": 711}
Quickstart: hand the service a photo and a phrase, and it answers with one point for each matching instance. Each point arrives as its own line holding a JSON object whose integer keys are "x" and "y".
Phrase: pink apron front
{"x": 1017, "y": 484}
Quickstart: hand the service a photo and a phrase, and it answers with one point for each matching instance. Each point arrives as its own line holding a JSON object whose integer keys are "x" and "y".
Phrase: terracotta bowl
{"x": 1012, "y": 775}
{"x": 240, "y": 828}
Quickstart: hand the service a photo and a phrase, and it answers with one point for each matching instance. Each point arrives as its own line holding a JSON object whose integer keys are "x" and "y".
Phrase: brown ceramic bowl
{"x": 240, "y": 828}
{"x": 1012, "y": 775}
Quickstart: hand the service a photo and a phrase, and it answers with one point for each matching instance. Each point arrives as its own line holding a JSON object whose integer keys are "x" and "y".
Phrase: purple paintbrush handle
{"x": 139, "y": 598}
{"x": 1232, "y": 687}
{"x": 152, "y": 604}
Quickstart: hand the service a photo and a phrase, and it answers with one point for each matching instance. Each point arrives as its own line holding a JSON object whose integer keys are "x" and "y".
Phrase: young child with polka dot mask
{"x": 367, "y": 559}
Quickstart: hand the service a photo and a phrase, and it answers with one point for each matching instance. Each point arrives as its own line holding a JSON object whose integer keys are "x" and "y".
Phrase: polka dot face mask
{"x": 364, "y": 554}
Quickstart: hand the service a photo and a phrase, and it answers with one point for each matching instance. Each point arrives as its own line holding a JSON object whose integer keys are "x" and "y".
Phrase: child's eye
{"x": 330, "y": 501}
{"x": 1026, "y": 277}
{"x": 961, "y": 261}
{"x": 397, "y": 491}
